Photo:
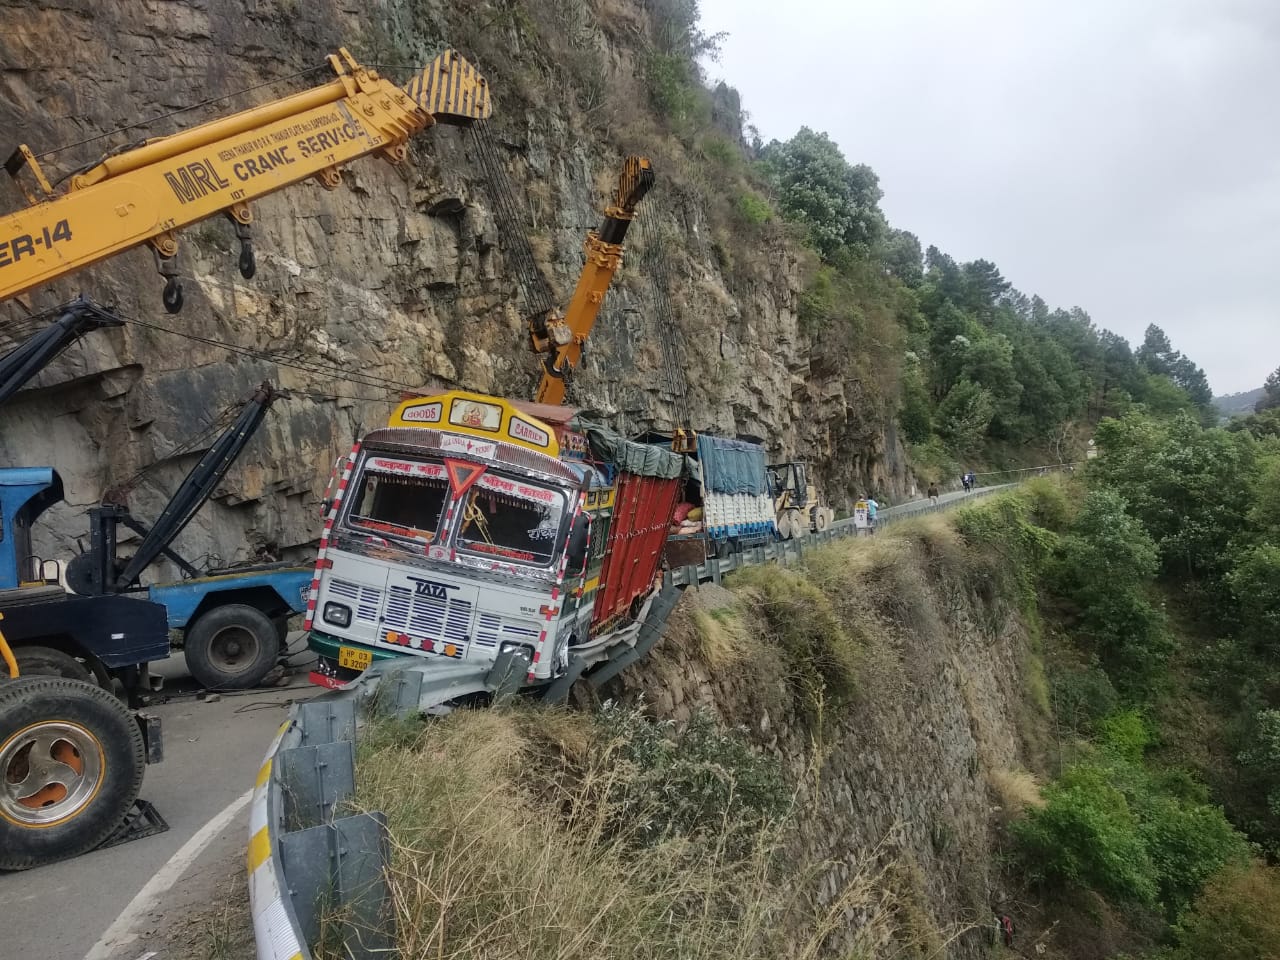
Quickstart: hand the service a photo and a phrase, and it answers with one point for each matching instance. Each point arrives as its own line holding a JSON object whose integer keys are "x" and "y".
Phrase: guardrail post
{"x": 338, "y": 870}
{"x": 325, "y": 721}
{"x": 362, "y": 850}
{"x": 316, "y": 779}
{"x": 398, "y": 693}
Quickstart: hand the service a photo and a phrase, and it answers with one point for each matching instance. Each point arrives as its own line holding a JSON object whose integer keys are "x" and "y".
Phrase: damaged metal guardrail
{"x": 316, "y": 870}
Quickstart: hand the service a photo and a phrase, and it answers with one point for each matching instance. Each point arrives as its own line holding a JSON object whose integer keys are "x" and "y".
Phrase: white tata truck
{"x": 471, "y": 533}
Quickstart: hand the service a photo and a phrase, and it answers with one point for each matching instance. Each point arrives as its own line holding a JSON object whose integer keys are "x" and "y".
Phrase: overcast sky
{"x": 1118, "y": 155}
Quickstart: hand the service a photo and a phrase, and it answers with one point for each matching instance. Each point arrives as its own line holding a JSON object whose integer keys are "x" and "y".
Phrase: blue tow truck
{"x": 108, "y": 626}
{"x": 234, "y": 621}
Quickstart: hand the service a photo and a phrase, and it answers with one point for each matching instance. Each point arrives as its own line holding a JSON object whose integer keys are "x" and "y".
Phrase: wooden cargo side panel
{"x": 642, "y": 516}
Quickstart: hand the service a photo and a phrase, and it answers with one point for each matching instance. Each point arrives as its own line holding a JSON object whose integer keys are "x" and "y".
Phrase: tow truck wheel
{"x": 48, "y": 662}
{"x": 71, "y": 765}
{"x": 232, "y": 647}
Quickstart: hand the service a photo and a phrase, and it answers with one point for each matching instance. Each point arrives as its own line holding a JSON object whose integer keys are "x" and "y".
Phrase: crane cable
{"x": 513, "y": 229}
{"x": 653, "y": 258}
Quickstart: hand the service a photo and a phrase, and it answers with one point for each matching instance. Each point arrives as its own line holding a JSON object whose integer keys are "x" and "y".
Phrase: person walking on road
{"x": 965, "y": 480}
{"x": 872, "y": 509}
{"x": 933, "y": 492}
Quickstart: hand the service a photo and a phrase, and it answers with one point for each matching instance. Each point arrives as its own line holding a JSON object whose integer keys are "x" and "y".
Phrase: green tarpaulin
{"x": 642, "y": 459}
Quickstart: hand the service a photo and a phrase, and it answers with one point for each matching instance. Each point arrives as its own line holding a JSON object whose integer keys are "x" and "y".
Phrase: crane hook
{"x": 241, "y": 217}
{"x": 248, "y": 264}
{"x": 172, "y": 295}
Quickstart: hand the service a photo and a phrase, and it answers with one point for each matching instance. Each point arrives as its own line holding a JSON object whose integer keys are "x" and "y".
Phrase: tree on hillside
{"x": 1183, "y": 482}
{"x": 984, "y": 286}
{"x": 988, "y": 362}
{"x": 838, "y": 202}
{"x": 1156, "y": 351}
{"x": 672, "y": 71}
{"x": 900, "y": 253}
{"x": 1270, "y": 393}
{"x": 1159, "y": 357}
{"x": 964, "y": 416}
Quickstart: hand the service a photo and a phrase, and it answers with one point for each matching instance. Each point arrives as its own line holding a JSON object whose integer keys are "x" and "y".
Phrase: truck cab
{"x": 457, "y": 534}
{"x": 51, "y": 630}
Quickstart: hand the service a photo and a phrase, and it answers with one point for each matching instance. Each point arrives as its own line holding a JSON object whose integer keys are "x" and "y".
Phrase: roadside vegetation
{"x": 523, "y": 832}
{"x": 1154, "y": 578}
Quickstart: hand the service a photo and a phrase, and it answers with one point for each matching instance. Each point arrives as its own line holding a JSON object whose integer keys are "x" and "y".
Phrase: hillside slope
{"x": 888, "y": 690}
{"x": 1234, "y": 403}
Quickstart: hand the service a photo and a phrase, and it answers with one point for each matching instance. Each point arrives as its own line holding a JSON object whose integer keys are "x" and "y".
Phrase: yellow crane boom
{"x": 146, "y": 194}
{"x": 562, "y": 338}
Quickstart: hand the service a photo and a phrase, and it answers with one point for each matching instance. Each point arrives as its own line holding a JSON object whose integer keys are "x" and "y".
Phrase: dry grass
{"x": 723, "y": 638}
{"x": 1015, "y": 790}
{"x": 503, "y": 848}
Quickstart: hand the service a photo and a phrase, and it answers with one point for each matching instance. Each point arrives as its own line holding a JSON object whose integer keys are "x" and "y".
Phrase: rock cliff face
{"x": 401, "y": 274}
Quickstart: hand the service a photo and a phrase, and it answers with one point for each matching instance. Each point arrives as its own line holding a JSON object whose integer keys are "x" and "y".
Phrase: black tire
{"x": 231, "y": 647}
{"x": 48, "y": 662}
{"x": 282, "y": 631}
{"x": 94, "y": 755}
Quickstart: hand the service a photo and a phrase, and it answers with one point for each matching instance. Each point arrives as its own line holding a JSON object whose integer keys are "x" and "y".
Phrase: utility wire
{"x": 314, "y": 367}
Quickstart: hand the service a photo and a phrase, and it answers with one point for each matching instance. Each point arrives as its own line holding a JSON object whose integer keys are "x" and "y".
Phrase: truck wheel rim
{"x": 233, "y": 647}
{"x": 49, "y": 772}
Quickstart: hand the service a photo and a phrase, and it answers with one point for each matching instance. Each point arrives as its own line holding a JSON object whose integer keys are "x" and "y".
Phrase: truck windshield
{"x": 512, "y": 520}
{"x": 399, "y": 498}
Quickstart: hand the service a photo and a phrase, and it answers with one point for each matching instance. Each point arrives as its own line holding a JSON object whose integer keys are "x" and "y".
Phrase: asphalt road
{"x": 212, "y": 754}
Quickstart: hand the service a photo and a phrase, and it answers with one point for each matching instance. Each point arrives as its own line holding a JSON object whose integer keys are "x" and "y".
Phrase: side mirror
{"x": 579, "y": 541}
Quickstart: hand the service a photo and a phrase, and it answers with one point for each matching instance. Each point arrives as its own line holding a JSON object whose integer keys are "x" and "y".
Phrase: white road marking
{"x": 117, "y": 934}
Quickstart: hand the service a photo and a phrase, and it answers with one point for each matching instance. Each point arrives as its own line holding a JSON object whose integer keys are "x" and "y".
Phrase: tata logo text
{"x": 432, "y": 589}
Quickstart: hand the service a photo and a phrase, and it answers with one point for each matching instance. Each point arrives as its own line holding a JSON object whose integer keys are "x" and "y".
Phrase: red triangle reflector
{"x": 462, "y": 475}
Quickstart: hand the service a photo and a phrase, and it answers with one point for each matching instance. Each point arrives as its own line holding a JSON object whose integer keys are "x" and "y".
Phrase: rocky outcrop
{"x": 400, "y": 274}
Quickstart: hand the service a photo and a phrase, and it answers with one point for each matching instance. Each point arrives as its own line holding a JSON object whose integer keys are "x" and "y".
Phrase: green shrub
{"x": 692, "y": 780}
{"x": 674, "y": 92}
{"x": 1125, "y": 735}
{"x": 1051, "y": 505}
{"x": 754, "y": 209}
{"x": 1086, "y": 836}
{"x": 932, "y": 460}
{"x": 1261, "y": 760}
{"x": 818, "y": 658}
{"x": 1082, "y": 697}
{"x": 721, "y": 151}
{"x": 1016, "y": 548}
{"x": 1187, "y": 842}
{"x": 1234, "y": 918}
{"x": 1105, "y": 566}
{"x": 1110, "y": 827}
{"x": 1255, "y": 583}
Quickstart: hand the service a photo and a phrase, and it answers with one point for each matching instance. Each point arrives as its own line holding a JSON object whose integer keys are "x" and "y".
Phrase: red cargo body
{"x": 642, "y": 514}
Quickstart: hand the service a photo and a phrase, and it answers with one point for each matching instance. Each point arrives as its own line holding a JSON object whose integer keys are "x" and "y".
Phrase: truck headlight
{"x": 338, "y": 614}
